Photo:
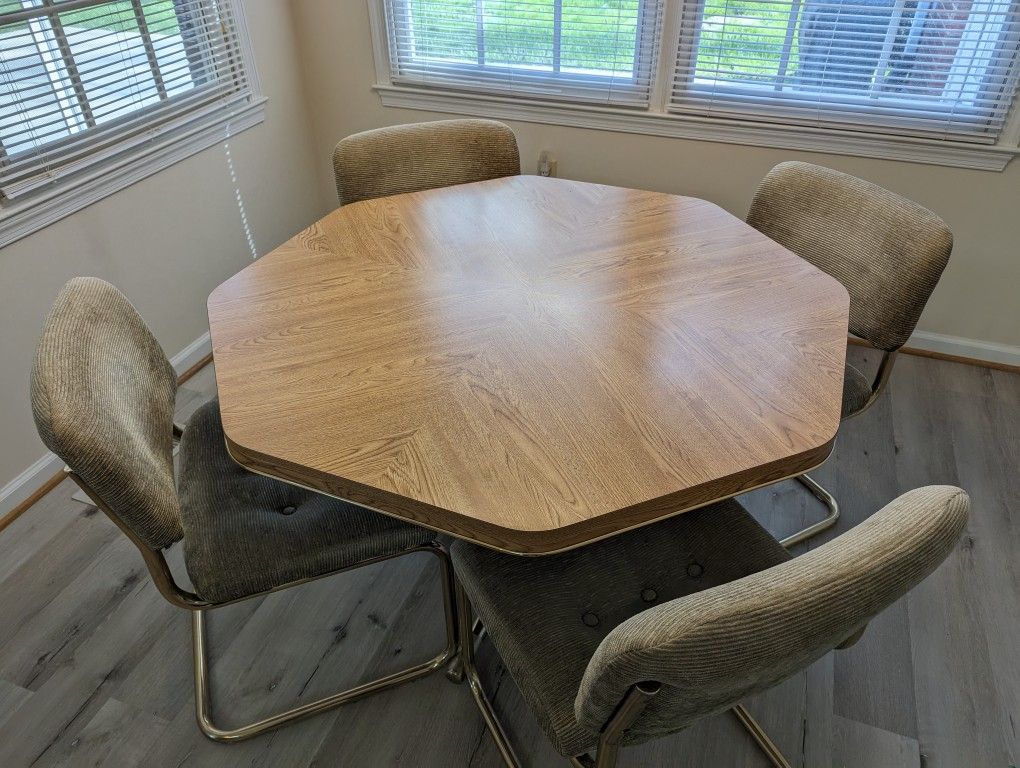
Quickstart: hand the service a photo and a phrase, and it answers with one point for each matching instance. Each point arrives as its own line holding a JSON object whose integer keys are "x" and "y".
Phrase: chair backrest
{"x": 103, "y": 400}
{"x": 409, "y": 158}
{"x": 712, "y": 649}
{"x": 888, "y": 251}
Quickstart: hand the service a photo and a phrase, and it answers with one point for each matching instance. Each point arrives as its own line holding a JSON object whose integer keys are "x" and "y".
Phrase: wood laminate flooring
{"x": 95, "y": 667}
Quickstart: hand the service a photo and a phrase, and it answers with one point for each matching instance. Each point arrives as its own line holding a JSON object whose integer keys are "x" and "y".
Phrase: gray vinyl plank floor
{"x": 95, "y": 668}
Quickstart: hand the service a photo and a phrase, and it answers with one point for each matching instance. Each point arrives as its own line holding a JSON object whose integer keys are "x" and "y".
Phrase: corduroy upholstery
{"x": 856, "y": 391}
{"x": 752, "y": 619}
{"x": 245, "y": 533}
{"x": 535, "y": 608}
{"x": 103, "y": 401}
{"x": 888, "y": 251}
{"x": 409, "y": 158}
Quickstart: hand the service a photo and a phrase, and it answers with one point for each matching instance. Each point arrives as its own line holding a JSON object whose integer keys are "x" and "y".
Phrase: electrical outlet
{"x": 546, "y": 165}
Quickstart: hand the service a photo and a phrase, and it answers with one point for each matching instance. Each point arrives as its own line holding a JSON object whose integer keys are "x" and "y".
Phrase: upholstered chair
{"x": 888, "y": 251}
{"x": 103, "y": 399}
{"x": 642, "y": 634}
{"x": 410, "y": 158}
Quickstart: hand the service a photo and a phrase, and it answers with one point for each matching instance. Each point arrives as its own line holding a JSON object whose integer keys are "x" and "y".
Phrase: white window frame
{"x": 548, "y": 83}
{"x": 658, "y": 120}
{"x": 745, "y": 99}
{"x": 123, "y": 164}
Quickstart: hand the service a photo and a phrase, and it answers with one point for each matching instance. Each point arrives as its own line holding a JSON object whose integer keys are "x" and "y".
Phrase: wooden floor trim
{"x": 917, "y": 352}
{"x": 194, "y": 369}
{"x": 37, "y": 494}
{"x": 54, "y": 481}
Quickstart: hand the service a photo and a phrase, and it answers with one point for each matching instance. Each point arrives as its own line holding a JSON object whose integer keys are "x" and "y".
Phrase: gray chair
{"x": 410, "y": 158}
{"x": 641, "y": 635}
{"x": 103, "y": 399}
{"x": 887, "y": 251}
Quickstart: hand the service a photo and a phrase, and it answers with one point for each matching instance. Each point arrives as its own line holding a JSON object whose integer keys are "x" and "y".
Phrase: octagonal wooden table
{"x": 531, "y": 364}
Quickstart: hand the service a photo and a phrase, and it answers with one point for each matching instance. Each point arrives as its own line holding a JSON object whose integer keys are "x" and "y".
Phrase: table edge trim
{"x": 516, "y": 541}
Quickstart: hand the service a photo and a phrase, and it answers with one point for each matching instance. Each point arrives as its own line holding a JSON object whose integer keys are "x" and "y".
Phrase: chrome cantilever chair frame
{"x": 612, "y": 733}
{"x": 163, "y": 578}
{"x": 817, "y": 490}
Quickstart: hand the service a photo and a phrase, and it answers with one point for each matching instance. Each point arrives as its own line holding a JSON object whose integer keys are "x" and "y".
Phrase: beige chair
{"x": 410, "y": 158}
{"x": 888, "y": 252}
{"x": 103, "y": 399}
{"x": 642, "y": 634}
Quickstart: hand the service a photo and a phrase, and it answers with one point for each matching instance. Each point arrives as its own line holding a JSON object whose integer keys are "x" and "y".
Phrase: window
{"x": 89, "y": 86}
{"x": 926, "y": 67}
{"x": 593, "y": 50}
{"x": 926, "y": 80}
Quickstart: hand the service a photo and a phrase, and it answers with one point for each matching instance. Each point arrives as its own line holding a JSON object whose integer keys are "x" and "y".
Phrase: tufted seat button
{"x": 694, "y": 570}
{"x": 649, "y": 595}
{"x": 590, "y": 620}
{"x": 290, "y": 509}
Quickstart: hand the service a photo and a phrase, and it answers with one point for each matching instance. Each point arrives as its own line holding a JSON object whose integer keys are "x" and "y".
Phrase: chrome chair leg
{"x": 608, "y": 750}
{"x": 630, "y": 709}
{"x": 760, "y": 737}
{"x": 455, "y": 669}
{"x": 830, "y": 520}
{"x": 635, "y": 702}
{"x": 203, "y": 697}
{"x": 467, "y": 664}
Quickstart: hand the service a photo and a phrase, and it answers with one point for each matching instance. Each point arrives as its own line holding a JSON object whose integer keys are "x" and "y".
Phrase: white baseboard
{"x": 960, "y": 347}
{"x": 25, "y": 484}
{"x": 192, "y": 353}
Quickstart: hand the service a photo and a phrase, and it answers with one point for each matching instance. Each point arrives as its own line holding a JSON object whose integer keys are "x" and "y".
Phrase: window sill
{"x": 828, "y": 140}
{"x": 21, "y": 218}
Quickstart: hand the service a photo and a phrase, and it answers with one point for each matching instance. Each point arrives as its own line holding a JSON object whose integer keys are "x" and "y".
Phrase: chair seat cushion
{"x": 245, "y": 533}
{"x": 856, "y": 391}
{"x": 547, "y": 615}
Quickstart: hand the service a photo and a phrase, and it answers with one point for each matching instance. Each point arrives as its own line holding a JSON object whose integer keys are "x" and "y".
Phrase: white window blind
{"x": 85, "y": 81}
{"x": 600, "y": 51}
{"x": 940, "y": 68}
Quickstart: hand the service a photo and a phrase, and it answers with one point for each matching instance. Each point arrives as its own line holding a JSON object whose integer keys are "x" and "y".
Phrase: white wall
{"x": 169, "y": 240}
{"x": 977, "y": 298}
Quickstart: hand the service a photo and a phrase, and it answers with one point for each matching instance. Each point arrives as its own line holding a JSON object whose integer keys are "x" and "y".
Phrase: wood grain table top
{"x": 531, "y": 364}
